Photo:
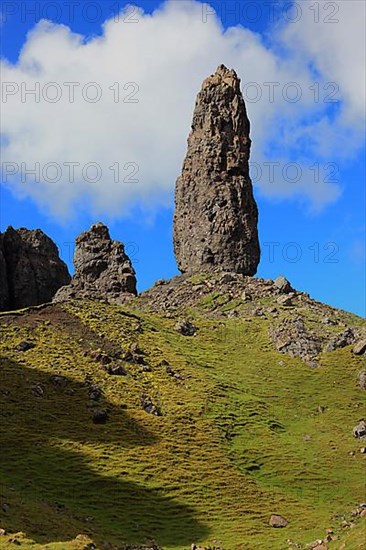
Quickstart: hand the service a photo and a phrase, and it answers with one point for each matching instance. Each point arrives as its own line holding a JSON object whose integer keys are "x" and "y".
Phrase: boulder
{"x": 283, "y": 284}
{"x": 186, "y": 328}
{"x": 360, "y": 347}
{"x": 216, "y": 216}
{"x": 31, "y": 270}
{"x": 341, "y": 340}
{"x": 149, "y": 406}
{"x": 361, "y": 379}
{"x": 103, "y": 271}
{"x": 284, "y": 301}
{"x": 359, "y": 431}
{"x": 277, "y": 521}
{"x": 100, "y": 417}
{"x": 25, "y": 345}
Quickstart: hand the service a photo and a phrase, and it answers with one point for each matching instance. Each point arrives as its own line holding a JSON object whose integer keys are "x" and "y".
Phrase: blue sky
{"x": 312, "y": 227}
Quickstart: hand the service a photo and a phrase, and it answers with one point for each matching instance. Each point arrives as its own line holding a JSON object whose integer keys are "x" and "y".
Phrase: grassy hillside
{"x": 244, "y": 431}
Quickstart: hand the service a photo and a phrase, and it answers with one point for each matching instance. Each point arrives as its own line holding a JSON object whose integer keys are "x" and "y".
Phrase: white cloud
{"x": 167, "y": 55}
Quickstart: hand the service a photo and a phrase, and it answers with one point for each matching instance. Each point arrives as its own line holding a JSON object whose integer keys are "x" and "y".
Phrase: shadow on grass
{"x": 54, "y": 490}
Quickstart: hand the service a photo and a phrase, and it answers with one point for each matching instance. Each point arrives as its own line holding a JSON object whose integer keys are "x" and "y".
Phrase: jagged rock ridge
{"x": 31, "y": 270}
{"x": 216, "y": 216}
{"x": 103, "y": 271}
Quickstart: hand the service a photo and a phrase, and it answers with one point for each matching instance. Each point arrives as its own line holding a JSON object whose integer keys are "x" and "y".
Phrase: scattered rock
{"x": 95, "y": 393}
{"x": 103, "y": 271}
{"x": 359, "y": 431}
{"x": 149, "y": 406}
{"x": 186, "y": 328}
{"x": 228, "y": 278}
{"x": 283, "y": 284}
{"x": 216, "y": 216}
{"x": 134, "y": 348}
{"x": 25, "y": 345}
{"x": 246, "y": 297}
{"x": 284, "y": 301}
{"x": 363, "y": 450}
{"x": 2, "y": 532}
{"x": 117, "y": 370}
{"x": 362, "y": 379}
{"x": 329, "y": 321}
{"x": 31, "y": 270}
{"x": 146, "y": 368}
{"x": 277, "y": 521}
{"x": 104, "y": 359}
{"x": 174, "y": 374}
{"x": 360, "y": 347}
{"x": 38, "y": 390}
{"x": 341, "y": 340}
{"x": 292, "y": 337}
{"x": 100, "y": 417}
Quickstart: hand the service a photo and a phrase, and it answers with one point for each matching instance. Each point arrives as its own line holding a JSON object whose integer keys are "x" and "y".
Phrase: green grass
{"x": 228, "y": 451}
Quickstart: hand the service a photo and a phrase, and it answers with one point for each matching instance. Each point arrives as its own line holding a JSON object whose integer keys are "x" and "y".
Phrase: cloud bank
{"x": 108, "y": 118}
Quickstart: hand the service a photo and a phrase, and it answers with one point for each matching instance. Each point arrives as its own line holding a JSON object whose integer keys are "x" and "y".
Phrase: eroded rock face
{"x": 215, "y": 221}
{"x": 103, "y": 271}
{"x": 31, "y": 270}
{"x": 4, "y": 289}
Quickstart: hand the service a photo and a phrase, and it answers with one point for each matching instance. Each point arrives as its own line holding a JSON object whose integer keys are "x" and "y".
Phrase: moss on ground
{"x": 240, "y": 436}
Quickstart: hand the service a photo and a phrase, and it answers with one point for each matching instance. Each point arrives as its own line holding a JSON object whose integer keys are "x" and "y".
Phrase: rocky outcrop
{"x": 31, "y": 270}
{"x": 215, "y": 220}
{"x": 103, "y": 271}
{"x": 4, "y": 288}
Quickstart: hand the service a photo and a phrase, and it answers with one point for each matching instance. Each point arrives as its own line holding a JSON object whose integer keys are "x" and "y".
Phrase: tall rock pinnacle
{"x": 216, "y": 216}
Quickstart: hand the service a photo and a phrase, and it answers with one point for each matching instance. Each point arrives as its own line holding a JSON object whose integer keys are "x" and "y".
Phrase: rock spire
{"x": 215, "y": 220}
{"x": 103, "y": 271}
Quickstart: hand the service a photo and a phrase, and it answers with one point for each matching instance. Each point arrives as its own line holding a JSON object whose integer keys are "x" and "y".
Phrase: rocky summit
{"x": 103, "y": 271}
{"x": 31, "y": 270}
{"x": 215, "y": 221}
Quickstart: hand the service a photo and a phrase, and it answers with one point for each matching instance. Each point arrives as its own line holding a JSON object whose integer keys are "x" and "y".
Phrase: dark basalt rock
{"x": 103, "y": 271}
{"x": 100, "y": 417}
{"x": 4, "y": 288}
{"x": 31, "y": 270}
{"x": 215, "y": 220}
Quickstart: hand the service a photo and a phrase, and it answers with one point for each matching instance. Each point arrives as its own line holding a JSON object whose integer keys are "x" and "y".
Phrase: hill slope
{"x": 207, "y": 435}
